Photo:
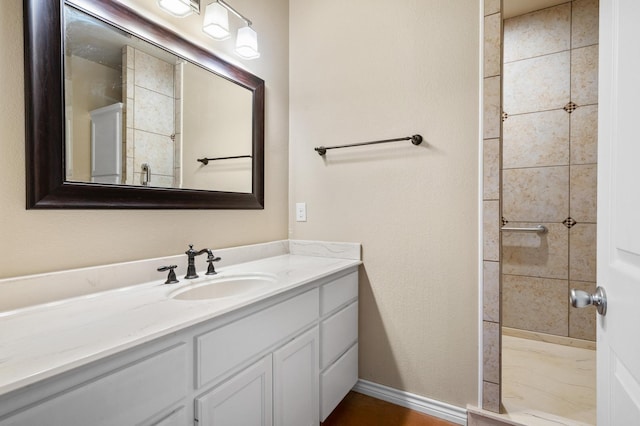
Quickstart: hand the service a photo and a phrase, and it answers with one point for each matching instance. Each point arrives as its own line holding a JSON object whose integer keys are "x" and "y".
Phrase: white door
{"x": 619, "y": 213}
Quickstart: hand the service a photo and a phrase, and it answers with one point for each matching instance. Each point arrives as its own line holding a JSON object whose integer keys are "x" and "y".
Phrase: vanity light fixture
{"x": 247, "y": 38}
{"x": 216, "y": 23}
{"x": 180, "y": 8}
{"x": 247, "y": 43}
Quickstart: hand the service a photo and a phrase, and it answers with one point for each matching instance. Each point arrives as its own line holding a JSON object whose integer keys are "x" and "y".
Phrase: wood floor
{"x": 357, "y": 409}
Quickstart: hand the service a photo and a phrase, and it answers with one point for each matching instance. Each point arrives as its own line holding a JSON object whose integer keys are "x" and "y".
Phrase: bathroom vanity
{"x": 281, "y": 350}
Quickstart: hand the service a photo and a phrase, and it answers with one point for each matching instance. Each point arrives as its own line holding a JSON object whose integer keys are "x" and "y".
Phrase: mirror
{"x": 115, "y": 121}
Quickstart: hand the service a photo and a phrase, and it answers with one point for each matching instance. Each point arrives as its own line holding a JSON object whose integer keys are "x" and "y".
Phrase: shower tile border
{"x": 492, "y": 148}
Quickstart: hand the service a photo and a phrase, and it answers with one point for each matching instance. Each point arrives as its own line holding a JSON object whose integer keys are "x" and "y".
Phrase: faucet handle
{"x": 171, "y": 278}
{"x": 211, "y": 270}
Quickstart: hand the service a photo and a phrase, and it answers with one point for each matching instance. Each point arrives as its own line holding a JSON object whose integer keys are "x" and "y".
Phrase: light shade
{"x": 247, "y": 43}
{"x": 216, "y": 21}
{"x": 179, "y": 8}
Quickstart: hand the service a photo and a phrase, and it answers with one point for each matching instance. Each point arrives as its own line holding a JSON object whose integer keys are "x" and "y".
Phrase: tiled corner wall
{"x": 491, "y": 374}
{"x": 148, "y": 85}
{"x": 549, "y": 167}
{"x": 177, "y": 141}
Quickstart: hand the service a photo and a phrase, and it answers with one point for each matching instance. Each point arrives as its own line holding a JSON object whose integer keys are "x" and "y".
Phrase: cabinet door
{"x": 243, "y": 400}
{"x": 295, "y": 370}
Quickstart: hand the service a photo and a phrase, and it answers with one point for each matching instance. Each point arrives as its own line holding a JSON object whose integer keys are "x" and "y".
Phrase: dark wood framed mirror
{"x": 48, "y": 186}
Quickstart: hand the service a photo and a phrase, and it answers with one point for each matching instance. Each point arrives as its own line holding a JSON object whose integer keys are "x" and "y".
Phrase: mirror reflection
{"x": 137, "y": 115}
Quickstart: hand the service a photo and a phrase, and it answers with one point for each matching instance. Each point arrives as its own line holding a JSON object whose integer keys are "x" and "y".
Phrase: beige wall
{"x": 216, "y": 121}
{"x": 365, "y": 70}
{"x": 45, "y": 240}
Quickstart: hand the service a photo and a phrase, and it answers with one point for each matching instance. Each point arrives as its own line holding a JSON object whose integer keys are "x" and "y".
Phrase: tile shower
{"x": 540, "y": 163}
{"x": 549, "y": 167}
{"x": 151, "y": 105}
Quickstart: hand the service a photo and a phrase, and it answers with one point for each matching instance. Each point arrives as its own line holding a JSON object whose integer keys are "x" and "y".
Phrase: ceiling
{"x": 99, "y": 42}
{"x": 513, "y": 8}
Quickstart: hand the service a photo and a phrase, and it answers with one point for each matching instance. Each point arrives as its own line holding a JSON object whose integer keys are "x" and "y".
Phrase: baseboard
{"x": 415, "y": 402}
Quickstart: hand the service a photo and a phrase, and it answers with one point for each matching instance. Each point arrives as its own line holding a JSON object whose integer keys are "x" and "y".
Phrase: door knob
{"x": 580, "y": 299}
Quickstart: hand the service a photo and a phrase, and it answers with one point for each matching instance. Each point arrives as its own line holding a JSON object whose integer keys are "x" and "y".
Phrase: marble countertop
{"x": 41, "y": 341}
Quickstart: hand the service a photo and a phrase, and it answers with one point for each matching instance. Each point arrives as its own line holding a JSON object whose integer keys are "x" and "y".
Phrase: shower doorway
{"x": 548, "y": 209}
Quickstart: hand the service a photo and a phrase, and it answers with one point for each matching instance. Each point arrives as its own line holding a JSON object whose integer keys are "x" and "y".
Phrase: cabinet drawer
{"x": 337, "y": 381}
{"x": 127, "y": 396}
{"x": 227, "y": 347}
{"x": 338, "y": 332}
{"x": 338, "y": 292}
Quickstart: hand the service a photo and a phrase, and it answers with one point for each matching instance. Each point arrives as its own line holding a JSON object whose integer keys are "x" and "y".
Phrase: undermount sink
{"x": 224, "y": 286}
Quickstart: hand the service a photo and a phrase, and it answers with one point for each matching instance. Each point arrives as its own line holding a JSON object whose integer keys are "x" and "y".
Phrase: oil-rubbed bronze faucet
{"x": 191, "y": 266}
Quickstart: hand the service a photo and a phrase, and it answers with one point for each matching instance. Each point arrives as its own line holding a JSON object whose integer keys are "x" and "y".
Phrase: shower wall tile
{"x": 177, "y": 78}
{"x": 535, "y": 304}
{"x": 129, "y": 83}
{"x": 491, "y": 7}
{"x": 129, "y": 112}
{"x": 536, "y": 255}
{"x": 536, "y": 139}
{"x": 491, "y": 396}
{"x": 584, "y": 75}
{"x": 492, "y": 111}
{"x": 538, "y": 194}
{"x": 491, "y": 353}
{"x": 178, "y": 116}
{"x": 582, "y": 252}
{"x": 161, "y": 181}
{"x": 538, "y": 33}
{"x": 582, "y": 321}
{"x": 153, "y": 112}
{"x": 583, "y": 193}
{"x": 491, "y": 291}
{"x": 130, "y": 52}
{"x": 129, "y": 171}
{"x": 491, "y": 219}
{"x": 492, "y": 32}
{"x": 537, "y": 84}
{"x": 491, "y": 169}
{"x": 153, "y": 73}
{"x": 129, "y": 151}
{"x": 155, "y": 150}
{"x": 584, "y": 31}
{"x": 584, "y": 135}
{"x": 492, "y": 132}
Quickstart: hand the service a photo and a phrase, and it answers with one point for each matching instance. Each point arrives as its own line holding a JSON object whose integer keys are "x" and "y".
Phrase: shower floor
{"x": 548, "y": 384}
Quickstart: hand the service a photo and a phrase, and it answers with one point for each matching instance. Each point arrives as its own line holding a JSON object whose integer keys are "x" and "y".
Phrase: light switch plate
{"x": 301, "y": 212}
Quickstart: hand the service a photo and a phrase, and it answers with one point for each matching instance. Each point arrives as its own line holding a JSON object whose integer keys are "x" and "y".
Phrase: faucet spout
{"x": 191, "y": 261}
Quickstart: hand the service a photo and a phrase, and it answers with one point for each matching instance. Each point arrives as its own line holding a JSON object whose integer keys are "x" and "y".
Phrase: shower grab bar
{"x": 540, "y": 229}
{"x": 146, "y": 174}
{"x": 415, "y": 139}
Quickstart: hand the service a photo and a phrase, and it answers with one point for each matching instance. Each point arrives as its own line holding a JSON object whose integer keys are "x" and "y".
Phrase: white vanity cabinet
{"x": 140, "y": 388}
{"x": 281, "y": 388}
{"x": 284, "y": 361}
